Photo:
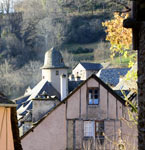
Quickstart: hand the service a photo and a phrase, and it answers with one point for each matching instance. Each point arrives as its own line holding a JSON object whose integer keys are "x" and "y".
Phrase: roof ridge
{"x": 64, "y": 100}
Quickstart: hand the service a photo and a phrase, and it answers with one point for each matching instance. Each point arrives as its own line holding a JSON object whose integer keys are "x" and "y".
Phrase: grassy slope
{"x": 120, "y": 62}
{"x": 116, "y": 62}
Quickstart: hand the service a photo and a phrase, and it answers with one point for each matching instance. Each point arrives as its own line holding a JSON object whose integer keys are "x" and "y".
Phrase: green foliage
{"x": 3, "y": 34}
{"x": 84, "y": 57}
{"x": 81, "y": 50}
{"x": 38, "y": 25}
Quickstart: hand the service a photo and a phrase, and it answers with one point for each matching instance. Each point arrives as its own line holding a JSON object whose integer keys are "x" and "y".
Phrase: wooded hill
{"x": 34, "y": 26}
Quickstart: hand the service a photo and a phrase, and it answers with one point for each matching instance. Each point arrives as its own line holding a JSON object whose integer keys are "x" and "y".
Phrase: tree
{"x": 136, "y": 23}
{"x": 47, "y": 24}
{"x": 119, "y": 37}
{"x": 6, "y": 6}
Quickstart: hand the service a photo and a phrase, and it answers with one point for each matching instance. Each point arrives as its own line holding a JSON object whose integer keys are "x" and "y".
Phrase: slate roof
{"x": 53, "y": 59}
{"x": 121, "y": 93}
{"x": 27, "y": 117}
{"x": 42, "y": 86}
{"x": 25, "y": 102}
{"x": 73, "y": 84}
{"x": 91, "y": 66}
{"x": 71, "y": 93}
{"x": 111, "y": 75}
{"x": 4, "y": 100}
{"x": 128, "y": 83}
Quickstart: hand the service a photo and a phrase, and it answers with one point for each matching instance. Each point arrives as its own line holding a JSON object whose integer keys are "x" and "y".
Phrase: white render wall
{"x": 50, "y": 75}
{"x": 64, "y": 86}
{"x": 79, "y": 70}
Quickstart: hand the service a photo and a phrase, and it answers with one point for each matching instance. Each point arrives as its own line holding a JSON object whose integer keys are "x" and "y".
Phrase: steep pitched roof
{"x": 128, "y": 83}
{"x": 5, "y": 102}
{"x": 76, "y": 89}
{"x": 91, "y": 66}
{"x": 73, "y": 84}
{"x": 111, "y": 75}
{"x": 25, "y": 102}
{"x": 43, "y": 85}
{"x": 121, "y": 93}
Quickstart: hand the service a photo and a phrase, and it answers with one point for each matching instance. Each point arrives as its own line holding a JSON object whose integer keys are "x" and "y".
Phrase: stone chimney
{"x": 78, "y": 78}
{"x": 63, "y": 86}
{"x": 42, "y": 105}
{"x": 72, "y": 78}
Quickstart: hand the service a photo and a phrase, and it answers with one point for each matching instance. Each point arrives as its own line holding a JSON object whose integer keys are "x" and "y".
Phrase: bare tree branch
{"x": 128, "y": 9}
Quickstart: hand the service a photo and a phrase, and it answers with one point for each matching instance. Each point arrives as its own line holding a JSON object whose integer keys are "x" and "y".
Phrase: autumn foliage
{"x": 120, "y": 38}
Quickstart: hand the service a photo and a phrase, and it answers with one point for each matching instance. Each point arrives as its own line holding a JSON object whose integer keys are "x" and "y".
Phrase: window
{"x": 93, "y": 96}
{"x": 57, "y": 72}
{"x": 99, "y": 128}
{"x": 88, "y": 128}
{"x": 94, "y": 129}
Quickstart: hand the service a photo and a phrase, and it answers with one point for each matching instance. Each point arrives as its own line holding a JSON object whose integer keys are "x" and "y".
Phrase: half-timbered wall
{"x": 110, "y": 110}
{"x": 64, "y": 127}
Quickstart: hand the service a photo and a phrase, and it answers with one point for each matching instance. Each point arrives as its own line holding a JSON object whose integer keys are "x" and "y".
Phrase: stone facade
{"x": 84, "y": 70}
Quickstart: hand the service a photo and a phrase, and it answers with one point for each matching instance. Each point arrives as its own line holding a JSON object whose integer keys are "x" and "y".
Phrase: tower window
{"x": 57, "y": 72}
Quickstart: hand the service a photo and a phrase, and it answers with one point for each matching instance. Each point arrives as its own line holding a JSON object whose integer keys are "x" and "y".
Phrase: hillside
{"x": 71, "y": 26}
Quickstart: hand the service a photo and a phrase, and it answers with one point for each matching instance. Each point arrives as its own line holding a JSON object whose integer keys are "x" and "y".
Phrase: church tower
{"x": 54, "y": 70}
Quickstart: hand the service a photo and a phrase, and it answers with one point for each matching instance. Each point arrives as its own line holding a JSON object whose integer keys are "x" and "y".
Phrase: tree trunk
{"x": 141, "y": 88}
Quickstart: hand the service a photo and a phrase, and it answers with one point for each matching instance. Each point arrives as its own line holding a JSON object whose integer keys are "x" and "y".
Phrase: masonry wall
{"x": 41, "y": 107}
{"x": 50, "y": 75}
{"x": 109, "y": 107}
{"x": 80, "y": 71}
{"x": 110, "y": 110}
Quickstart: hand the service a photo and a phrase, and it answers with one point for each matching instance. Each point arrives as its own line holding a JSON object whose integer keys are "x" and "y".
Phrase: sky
{"x": 11, "y": 6}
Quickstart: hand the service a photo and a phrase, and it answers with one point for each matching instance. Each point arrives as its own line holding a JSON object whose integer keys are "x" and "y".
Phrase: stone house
{"x": 84, "y": 70}
{"x": 53, "y": 87}
{"x": 91, "y": 117}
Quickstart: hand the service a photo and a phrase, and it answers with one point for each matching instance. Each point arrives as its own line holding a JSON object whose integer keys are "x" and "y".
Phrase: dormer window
{"x": 93, "y": 96}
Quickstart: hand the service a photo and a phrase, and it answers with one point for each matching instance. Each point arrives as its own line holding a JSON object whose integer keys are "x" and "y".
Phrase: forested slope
{"x": 30, "y": 27}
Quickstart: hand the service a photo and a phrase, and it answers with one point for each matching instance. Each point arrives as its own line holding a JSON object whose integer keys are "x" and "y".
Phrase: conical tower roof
{"x": 53, "y": 59}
